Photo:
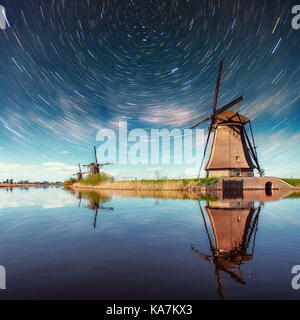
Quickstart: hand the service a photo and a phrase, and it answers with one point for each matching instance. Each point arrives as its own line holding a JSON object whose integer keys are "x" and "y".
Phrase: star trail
{"x": 69, "y": 68}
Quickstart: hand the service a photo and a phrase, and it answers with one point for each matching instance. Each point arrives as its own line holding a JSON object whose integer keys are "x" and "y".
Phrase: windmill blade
{"x": 217, "y": 87}
{"x": 79, "y": 167}
{"x": 200, "y": 122}
{"x": 205, "y": 148}
{"x": 229, "y": 105}
{"x": 95, "y": 154}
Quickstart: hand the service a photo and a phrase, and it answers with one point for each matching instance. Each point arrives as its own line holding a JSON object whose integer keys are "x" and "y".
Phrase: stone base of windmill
{"x": 255, "y": 188}
{"x": 249, "y": 183}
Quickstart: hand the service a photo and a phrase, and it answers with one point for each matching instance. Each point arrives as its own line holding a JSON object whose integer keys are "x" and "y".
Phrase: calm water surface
{"x": 56, "y": 244}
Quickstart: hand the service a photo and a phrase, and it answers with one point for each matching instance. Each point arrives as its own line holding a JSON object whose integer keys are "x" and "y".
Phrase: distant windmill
{"x": 94, "y": 167}
{"x": 79, "y": 174}
{"x": 232, "y": 153}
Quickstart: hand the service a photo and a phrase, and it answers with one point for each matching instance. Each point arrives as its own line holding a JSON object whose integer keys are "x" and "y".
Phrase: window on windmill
{"x": 237, "y": 158}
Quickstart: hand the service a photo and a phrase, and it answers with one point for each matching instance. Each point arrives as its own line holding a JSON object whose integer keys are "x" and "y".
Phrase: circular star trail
{"x": 69, "y": 68}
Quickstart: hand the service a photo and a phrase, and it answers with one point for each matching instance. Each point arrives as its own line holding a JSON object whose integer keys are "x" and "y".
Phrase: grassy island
{"x": 105, "y": 181}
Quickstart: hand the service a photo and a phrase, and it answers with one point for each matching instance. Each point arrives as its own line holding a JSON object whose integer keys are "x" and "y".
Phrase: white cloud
{"x": 59, "y": 167}
{"x": 170, "y": 115}
{"x": 154, "y": 169}
{"x": 6, "y": 167}
{"x": 47, "y": 171}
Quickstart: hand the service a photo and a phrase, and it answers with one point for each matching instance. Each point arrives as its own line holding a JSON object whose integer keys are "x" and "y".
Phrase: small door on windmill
{"x": 233, "y": 189}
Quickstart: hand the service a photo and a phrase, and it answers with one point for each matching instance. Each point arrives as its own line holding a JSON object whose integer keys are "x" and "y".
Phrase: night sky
{"x": 69, "y": 68}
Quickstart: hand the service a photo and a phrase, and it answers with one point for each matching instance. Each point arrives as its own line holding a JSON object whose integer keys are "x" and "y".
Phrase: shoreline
{"x": 179, "y": 186}
{"x": 188, "y": 185}
{"x": 205, "y": 193}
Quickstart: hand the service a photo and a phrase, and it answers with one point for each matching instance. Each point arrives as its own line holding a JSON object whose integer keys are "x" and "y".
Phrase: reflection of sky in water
{"x": 19, "y": 198}
{"x": 140, "y": 249}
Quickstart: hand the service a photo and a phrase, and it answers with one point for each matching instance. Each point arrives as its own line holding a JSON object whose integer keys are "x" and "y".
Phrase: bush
{"x": 94, "y": 179}
{"x": 185, "y": 181}
{"x": 69, "y": 182}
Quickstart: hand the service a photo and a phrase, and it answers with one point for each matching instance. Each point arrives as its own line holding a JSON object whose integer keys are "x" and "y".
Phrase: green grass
{"x": 292, "y": 182}
{"x": 179, "y": 184}
{"x": 94, "y": 179}
{"x": 199, "y": 182}
{"x": 203, "y": 181}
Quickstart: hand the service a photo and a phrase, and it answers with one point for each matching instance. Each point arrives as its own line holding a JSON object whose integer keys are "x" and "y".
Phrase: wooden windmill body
{"x": 229, "y": 154}
{"x": 232, "y": 152}
{"x": 94, "y": 167}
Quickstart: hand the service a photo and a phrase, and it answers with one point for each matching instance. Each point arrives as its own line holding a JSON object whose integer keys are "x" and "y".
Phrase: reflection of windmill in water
{"x": 94, "y": 203}
{"x": 232, "y": 152}
{"x": 94, "y": 167}
{"x": 233, "y": 227}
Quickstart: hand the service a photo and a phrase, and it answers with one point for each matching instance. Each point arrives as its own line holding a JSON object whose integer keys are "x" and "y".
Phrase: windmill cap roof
{"x": 228, "y": 115}
{"x": 93, "y": 164}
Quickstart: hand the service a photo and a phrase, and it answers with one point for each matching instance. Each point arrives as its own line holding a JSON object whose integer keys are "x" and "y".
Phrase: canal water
{"x": 58, "y": 244}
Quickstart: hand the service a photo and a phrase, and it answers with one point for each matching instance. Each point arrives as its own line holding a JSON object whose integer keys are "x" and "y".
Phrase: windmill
{"x": 94, "y": 167}
{"x": 232, "y": 152}
{"x": 79, "y": 174}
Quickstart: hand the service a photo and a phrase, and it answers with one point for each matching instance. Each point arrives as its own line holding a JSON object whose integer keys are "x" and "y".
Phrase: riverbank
{"x": 292, "y": 182}
{"x": 151, "y": 185}
{"x": 195, "y": 185}
{"x": 248, "y": 195}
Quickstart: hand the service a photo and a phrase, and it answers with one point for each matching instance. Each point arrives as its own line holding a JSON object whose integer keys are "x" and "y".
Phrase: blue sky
{"x": 68, "y": 69}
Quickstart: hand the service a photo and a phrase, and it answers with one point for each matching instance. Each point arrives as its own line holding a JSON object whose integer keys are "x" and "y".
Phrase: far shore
{"x": 26, "y": 185}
